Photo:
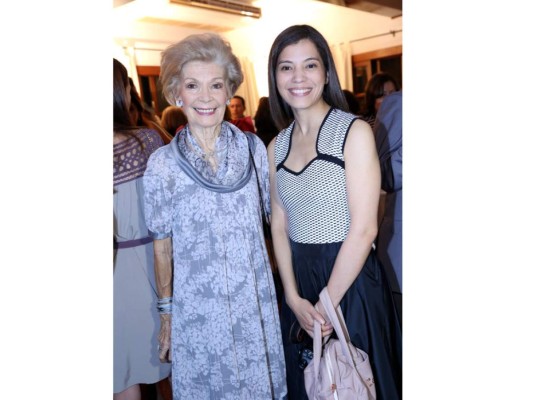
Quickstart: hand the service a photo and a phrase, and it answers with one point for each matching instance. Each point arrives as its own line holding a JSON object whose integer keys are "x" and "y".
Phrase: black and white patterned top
{"x": 315, "y": 197}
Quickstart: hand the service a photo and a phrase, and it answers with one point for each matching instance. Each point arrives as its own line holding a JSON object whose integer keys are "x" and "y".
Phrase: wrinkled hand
{"x": 307, "y": 314}
{"x": 165, "y": 355}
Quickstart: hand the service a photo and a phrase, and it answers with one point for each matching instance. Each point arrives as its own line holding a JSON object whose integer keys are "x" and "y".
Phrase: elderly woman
{"x": 217, "y": 300}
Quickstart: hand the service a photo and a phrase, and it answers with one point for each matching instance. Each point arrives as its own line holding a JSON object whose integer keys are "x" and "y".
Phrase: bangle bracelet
{"x": 166, "y": 309}
{"x": 164, "y": 300}
{"x": 164, "y": 305}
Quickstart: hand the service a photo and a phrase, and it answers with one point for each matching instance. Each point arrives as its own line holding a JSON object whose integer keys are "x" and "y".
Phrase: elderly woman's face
{"x": 204, "y": 94}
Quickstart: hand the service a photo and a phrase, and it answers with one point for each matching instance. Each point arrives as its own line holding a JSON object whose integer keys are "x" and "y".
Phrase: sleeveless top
{"x": 315, "y": 198}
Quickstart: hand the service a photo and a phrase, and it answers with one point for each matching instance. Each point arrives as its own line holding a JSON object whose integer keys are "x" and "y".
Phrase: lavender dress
{"x": 226, "y": 341}
{"x": 135, "y": 317}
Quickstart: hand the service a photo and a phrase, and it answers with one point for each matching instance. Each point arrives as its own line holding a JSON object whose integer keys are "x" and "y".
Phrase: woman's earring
{"x": 179, "y": 103}
{"x": 227, "y": 102}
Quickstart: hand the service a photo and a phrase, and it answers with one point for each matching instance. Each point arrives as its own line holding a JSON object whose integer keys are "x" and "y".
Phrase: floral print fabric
{"x": 226, "y": 341}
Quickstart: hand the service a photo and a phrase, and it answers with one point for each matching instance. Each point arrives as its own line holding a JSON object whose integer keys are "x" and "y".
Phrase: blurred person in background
{"x": 388, "y": 133}
{"x": 173, "y": 119}
{"x": 237, "y": 106}
{"x": 378, "y": 87}
{"x": 265, "y": 126}
{"x": 144, "y": 116}
{"x": 135, "y": 318}
{"x": 353, "y": 103}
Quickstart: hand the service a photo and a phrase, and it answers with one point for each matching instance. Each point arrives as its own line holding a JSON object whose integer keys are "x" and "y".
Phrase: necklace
{"x": 210, "y": 157}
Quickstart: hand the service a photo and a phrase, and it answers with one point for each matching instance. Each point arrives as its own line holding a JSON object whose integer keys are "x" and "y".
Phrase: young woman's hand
{"x": 327, "y": 328}
{"x": 307, "y": 314}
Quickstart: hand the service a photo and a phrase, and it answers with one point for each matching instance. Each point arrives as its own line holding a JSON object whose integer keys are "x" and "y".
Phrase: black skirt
{"x": 368, "y": 310}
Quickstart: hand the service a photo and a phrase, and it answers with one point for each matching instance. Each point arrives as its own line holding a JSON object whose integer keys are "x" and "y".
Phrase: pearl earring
{"x": 179, "y": 103}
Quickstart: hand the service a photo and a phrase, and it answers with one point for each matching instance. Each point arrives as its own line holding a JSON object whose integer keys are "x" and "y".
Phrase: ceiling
{"x": 387, "y": 8}
{"x": 203, "y": 14}
{"x": 197, "y": 15}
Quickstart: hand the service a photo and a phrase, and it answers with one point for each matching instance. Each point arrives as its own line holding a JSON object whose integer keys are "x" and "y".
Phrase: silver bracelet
{"x": 164, "y": 305}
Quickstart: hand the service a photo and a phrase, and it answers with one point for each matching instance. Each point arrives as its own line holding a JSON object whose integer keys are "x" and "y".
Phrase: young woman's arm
{"x": 363, "y": 190}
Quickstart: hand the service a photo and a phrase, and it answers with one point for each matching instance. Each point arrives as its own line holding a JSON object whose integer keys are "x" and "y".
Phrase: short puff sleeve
{"x": 158, "y": 195}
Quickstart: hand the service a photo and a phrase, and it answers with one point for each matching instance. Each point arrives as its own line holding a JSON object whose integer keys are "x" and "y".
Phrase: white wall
{"x": 337, "y": 24}
{"x": 144, "y": 41}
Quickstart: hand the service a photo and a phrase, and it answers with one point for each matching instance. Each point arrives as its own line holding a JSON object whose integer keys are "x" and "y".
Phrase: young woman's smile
{"x": 300, "y": 74}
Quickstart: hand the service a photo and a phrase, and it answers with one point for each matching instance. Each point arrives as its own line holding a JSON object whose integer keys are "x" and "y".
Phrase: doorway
{"x": 150, "y": 90}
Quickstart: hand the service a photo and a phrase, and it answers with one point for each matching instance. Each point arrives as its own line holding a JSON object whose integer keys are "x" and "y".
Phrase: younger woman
{"x": 325, "y": 185}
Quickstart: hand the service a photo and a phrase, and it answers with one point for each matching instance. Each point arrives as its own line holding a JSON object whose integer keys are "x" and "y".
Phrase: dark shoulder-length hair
{"x": 144, "y": 116}
{"x": 374, "y": 90}
{"x": 122, "y": 119}
{"x": 332, "y": 94}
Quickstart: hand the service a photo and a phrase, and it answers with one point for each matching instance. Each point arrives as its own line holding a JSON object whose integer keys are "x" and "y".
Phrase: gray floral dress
{"x": 226, "y": 341}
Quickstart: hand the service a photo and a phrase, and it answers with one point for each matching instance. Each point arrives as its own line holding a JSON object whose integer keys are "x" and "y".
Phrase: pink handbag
{"x": 341, "y": 371}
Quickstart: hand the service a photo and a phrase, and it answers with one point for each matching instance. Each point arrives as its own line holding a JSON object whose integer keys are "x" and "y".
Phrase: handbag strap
{"x": 317, "y": 346}
{"x": 339, "y": 325}
{"x": 251, "y": 144}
